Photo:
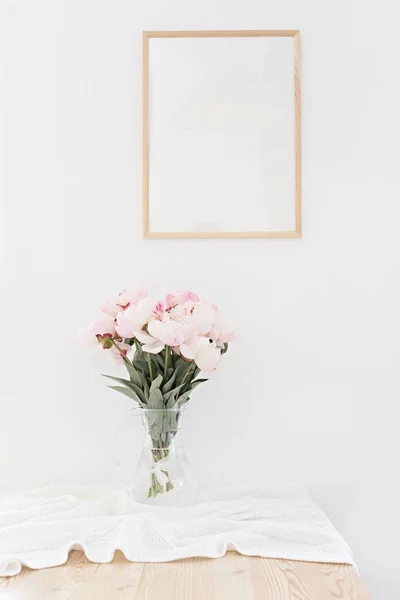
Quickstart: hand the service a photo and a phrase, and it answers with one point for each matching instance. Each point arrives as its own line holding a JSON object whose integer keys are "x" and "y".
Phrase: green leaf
{"x": 142, "y": 382}
{"x": 141, "y": 364}
{"x": 139, "y": 392}
{"x": 168, "y": 395}
{"x": 126, "y": 391}
{"x": 183, "y": 370}
{"x": 196, "y": 383}
{"x": 183, "y": 398}
{"x": 167, "y": 386}
{"x": 126, "y": 382}
{"x": 155, "y": 384}
{"x": 155, "y": 399}
{"x": 225, "y": 348}
{"x": 155, "y": 422}
{"x": 133, "y": 374}
{"x": 181, "y": 362}
{"x": 159, "y": 360}
{"x": 171, "y": 401}
{"x": 145, "y": 387}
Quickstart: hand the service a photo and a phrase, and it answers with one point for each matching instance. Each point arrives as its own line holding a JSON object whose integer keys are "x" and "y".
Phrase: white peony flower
{"x": 204, "y": 352}
{"x": 131, "y": 321}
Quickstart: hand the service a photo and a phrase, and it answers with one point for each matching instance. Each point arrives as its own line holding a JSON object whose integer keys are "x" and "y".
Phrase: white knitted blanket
{"x": 38, "y": 528}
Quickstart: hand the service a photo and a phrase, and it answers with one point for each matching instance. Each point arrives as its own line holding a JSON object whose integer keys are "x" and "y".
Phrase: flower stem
{"x": 124, "y": 357}
{"x": 184, "y": 377}
{"x": 138, "y": 347}
{"x": 150, "y": 368}
{"x": 166, "y": 362}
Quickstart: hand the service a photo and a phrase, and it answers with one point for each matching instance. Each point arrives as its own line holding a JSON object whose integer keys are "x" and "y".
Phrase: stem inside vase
{"x": 158, "y": 453}
{"x": 162, "y": 466}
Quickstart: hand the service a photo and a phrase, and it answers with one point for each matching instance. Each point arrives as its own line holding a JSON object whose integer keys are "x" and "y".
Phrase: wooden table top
{"x": 233, "y": 577}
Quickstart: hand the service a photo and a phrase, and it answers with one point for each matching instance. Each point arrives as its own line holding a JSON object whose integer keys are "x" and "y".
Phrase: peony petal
{"x": 153, "y": 348}
{"x": 208, "y": 357}
{"x": 203, "y": 318}
{"x": 103, "y": 325}
{"x": 135, "y": 297}
{"x": 110, "y": 308}
{"x": 179, "y": 297}
{"x": 127, "y": 323}
{"x": 134, "y": 318}
{"x": 144, "y": 337}
{"x": 227, "y": 336}
{"x": 122, "y": 301}
{"x": 155, "y": 328}
{"x": 169, "y": 332}
{"x": 221, "y": 331}
{"x": 188, "y": 349}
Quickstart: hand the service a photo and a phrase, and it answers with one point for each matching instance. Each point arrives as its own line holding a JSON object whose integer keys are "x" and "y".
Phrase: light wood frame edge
{"x": 297, "y": 108}
{"x": 297, "y": 132}
{"x": 225, "y": 33}
{"x": 145, "y": 134}
{"x": 219, "y": 234}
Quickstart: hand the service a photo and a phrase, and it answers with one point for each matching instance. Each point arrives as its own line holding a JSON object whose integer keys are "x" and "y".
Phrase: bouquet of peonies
{"x": 163, "y": 345}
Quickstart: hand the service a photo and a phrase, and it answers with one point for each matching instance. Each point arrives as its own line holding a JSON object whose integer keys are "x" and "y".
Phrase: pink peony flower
{"x": 180, "y": 297}
{"x": 159, "y": 309}
{"x": 199, "y": 315}
{"x": 103, "y": 327}
{"x": 122, "y": 301}
{"x": 203, "y": 318}
{"x": 221, "y": 331}
{"x": 169, "y": 332}
{"x": 150, "y": 344}
{"x": 132, "y": 320}
{"x": 194, "y": 330}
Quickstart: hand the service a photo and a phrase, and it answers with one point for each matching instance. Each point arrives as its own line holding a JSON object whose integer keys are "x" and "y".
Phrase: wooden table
{"x": 233, "y": 577}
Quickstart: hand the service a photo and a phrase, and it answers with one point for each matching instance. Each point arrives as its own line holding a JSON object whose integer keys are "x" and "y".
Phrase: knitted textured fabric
{"x": 39, "y": 527}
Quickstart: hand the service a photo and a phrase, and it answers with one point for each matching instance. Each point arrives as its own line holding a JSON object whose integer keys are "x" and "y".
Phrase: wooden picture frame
{"x": 297, "y": 230}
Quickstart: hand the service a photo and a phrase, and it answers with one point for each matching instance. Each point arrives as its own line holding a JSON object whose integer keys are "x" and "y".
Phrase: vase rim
{"x": 161, "y": 409}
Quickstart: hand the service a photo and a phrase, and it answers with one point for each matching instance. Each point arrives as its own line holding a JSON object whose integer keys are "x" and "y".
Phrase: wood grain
{"x": 233, "y": 577}
{"x": 224, "y": 33}
{"x": 221, "y": 234}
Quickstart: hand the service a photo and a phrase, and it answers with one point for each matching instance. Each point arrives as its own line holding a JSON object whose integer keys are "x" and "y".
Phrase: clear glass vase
{"x": 163, "y": 472}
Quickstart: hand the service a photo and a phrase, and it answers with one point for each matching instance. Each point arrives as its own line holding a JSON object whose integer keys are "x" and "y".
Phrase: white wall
{"x": 311, "y": 389}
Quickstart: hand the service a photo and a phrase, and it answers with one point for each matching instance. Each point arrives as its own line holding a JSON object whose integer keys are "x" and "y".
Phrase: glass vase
{"x": 163, "y": 472}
